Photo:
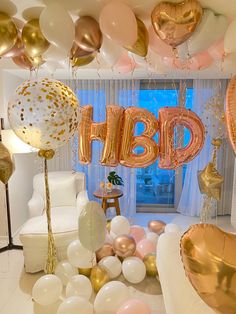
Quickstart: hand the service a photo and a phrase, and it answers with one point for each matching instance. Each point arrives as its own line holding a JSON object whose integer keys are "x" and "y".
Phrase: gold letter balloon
{"x": 209, "y": 260}
{"x": 44, "y": 113}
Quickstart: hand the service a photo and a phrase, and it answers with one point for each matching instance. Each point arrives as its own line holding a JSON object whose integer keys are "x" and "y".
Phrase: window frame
{"x": 181, "y": 86}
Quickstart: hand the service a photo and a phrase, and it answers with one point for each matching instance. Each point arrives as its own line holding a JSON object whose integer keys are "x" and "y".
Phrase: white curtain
{"x": 191, "y": 199}
{"x": 100, "y": 93}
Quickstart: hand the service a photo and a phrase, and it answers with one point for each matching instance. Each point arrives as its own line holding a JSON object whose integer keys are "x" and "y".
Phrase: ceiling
{"x": 24, "y": 10}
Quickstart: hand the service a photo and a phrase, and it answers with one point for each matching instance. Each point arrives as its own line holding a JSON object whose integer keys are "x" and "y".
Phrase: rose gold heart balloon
{"x": 231, "y": 112}
{"x": 174, "y": 23}
{"x": 209, "y": 259}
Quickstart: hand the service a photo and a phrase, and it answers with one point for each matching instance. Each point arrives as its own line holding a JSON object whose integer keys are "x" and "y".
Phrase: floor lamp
{"x": 10, "y": 245}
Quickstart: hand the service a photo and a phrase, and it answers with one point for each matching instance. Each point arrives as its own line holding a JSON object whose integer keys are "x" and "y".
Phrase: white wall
{"x": 20, "y": 184}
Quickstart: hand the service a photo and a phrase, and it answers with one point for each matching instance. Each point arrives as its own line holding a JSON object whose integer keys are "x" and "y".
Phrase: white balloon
{"x": 172, "y": 228}
{"x": 65, "y": 271}
{"x": 79, "y": 256}
{"x": 75, "y": 305}
{"x": 47, "y": 290}
{"x": 153, "y": 237}
{"x": 51, "y": 66}
{"x": 79, "y": 285}
{"x": 210, "y": 30}
{"x": 230, "y": 35}
{"x": 229, "y": 64}
{"x": 120, "y": 225}
{"x": 110, "y": 51}
{"x": 57, "y": 26}
{"x": 92, "y": 226}
{"x": 110, "y": 297}
{"x": 112, "y": 265}
{"x": 53, "y": 53}
{"x": 133, "y": 269}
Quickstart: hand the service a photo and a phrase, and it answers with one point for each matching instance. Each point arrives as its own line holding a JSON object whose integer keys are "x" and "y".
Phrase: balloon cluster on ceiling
{"x": 176, "y": 35}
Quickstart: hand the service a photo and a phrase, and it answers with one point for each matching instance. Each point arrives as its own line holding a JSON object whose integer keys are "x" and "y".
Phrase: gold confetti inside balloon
{"x": 209, "y": 259}
{"x": 44, "y": 113}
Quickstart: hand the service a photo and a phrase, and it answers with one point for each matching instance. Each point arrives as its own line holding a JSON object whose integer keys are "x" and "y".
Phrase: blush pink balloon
{"x": 158, "y": 45}
{"x": 200, "y": 61}
{"x": 134, "y": 306}
{"x": 217, "y": 51}
{"x": 125, "y": 64}
{"x": 138, "y": 233}
{"x": 144, "y": 247}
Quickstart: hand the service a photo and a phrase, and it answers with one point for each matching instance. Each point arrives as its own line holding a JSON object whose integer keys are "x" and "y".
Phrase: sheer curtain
{"x": 191, "y": 199}
{"x": 100, "y": 93}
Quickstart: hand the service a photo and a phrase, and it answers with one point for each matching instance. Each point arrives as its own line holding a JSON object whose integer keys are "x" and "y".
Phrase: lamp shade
{"x": 14, "y": 144}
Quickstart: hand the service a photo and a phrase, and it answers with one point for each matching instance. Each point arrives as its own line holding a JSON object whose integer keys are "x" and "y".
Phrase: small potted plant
{"x": 113, "y": 179}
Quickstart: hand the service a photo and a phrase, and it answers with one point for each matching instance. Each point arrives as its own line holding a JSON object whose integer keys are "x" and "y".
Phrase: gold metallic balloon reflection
{"x": 8, "y": 33}
{"x": 141, "y": 45}
{"x": 150, "y": 264}
{"x": 34, "y": 41}
{"x": 210, "y": 181}
{"x": 81, "y": 61}
{"x": 99, "y": 277}
{"x": 6, "y": 164}
{"x": 209, "y": 259}
{"x": 174, "y": 23}
{"x": 85, "y": 271}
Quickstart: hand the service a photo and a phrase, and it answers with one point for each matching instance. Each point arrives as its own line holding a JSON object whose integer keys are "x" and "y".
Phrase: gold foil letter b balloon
{"x": 174, "y": 23}
{"x": 209, "y": 259}
{"x": 43, "y": 113}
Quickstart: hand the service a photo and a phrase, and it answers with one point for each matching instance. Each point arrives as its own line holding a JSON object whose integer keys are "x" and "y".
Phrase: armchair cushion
{"x": 36, "y": 205}
{"x": 63, "y": 188}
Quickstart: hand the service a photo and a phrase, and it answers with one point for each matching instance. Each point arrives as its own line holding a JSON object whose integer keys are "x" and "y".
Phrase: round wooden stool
{"x": 109, "y": 199}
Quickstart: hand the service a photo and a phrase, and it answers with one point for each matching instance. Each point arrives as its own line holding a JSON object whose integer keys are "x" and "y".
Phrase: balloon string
{"x": 52, "y": 254}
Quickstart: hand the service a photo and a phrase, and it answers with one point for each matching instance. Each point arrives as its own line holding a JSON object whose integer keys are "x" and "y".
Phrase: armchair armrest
{"x": 81, "y": 201}
{"x": 36, "y": 205}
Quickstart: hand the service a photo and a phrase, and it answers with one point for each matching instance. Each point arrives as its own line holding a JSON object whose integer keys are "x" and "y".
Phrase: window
{"x": 160, "y": 188}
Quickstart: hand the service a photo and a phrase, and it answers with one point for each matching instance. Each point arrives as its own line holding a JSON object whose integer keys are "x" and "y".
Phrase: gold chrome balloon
{"x": 209, "y": 258}
{"x": 81, "y": 61}
{"x": 210, "y": 181}
{"x": 156, "y": 226}
{"x": 8, "y": 33}
{"x": 141, "y": 45}
{"x": 85, "y": 271}
{"x": 174, "y": 23}
{"x": 6, "y": 164}
{"x": 150, "y": 264}
{"x": 99, "y": 277}
{"x": 34, "y": 41}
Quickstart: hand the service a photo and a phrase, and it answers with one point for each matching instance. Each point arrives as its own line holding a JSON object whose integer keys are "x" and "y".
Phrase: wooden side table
{"x": 114, "y": 196}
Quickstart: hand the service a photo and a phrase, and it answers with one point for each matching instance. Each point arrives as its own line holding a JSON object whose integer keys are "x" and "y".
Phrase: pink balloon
{"x": 125, "y": 64}
{"x": 118, "y": 22}
{"x": 137, "y": 232}
{"x": 217, "y": 51}
{"x": 158, "y": 45}
{"x": 134, "y": 307}
{"x": 144, "y": 247}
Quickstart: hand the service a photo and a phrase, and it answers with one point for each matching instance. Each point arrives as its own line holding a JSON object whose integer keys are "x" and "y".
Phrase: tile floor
{"x": 16, "y": 285}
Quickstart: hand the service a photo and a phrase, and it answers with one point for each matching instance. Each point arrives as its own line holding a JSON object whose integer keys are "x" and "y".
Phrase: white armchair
{"x": 68, "y": 197}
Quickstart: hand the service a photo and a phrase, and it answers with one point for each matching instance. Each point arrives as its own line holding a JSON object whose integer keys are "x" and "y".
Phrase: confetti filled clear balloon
{"x": 44, "y": 113}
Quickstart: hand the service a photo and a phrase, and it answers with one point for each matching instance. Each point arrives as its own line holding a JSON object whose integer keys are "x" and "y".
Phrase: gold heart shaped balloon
{"x": 6, "y": 164}
{"x": 231, "y": 112}
{"x": 209, "y": 258}
{"x": 174, "y": 23}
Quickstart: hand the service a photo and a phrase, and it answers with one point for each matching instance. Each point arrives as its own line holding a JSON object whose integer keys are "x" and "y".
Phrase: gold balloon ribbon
{"x": 52, "y": 254}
